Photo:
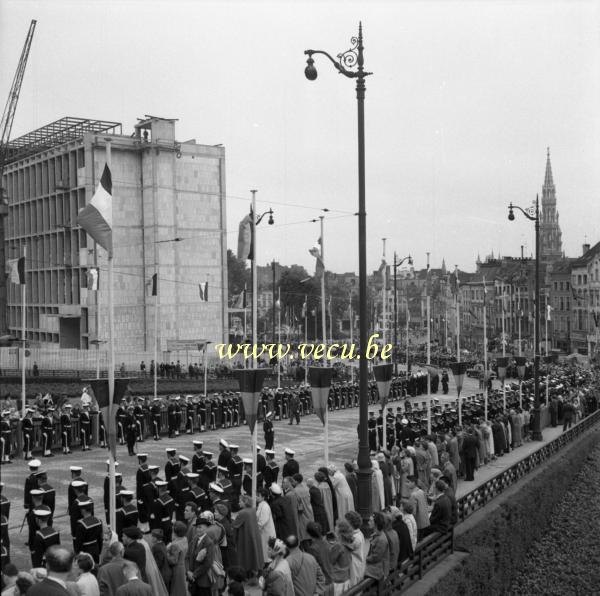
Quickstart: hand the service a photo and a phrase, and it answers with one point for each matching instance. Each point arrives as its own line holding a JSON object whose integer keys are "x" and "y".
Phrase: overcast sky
{"x": 464, "y": 99}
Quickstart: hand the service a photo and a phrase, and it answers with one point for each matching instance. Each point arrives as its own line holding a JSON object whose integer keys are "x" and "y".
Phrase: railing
{"x": 437, "y": 547}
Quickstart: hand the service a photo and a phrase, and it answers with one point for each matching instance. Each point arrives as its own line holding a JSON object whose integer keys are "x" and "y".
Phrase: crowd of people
{"x": 194, "y": 529}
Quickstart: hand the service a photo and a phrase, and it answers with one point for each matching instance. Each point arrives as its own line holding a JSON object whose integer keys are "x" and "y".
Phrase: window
{"x": 561, "y": 285}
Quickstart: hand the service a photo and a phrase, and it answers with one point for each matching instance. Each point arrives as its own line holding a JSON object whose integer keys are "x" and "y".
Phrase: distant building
{"x": 168, "y": 218}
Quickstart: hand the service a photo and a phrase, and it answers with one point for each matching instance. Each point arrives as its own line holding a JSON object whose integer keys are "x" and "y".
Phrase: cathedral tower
{"x": 550, "y": 234}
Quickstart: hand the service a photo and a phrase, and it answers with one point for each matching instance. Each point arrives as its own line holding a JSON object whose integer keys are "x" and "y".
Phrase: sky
{"x": 464, "y": 100}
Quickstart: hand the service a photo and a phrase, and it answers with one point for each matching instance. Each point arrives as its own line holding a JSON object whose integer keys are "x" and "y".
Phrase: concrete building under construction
{"x": 168, "y": 218}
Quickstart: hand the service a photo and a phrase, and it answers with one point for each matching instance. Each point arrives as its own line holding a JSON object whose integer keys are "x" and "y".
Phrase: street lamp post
{"x": 396, "y": 265}
{"x": 345, "y": 61}
{"x": 533, "y": 213}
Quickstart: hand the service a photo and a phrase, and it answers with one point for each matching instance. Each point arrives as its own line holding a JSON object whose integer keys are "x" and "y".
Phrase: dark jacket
{"x": 110, "y": 577}
{"x": 283, "y": 517}
{"x": 159, "y": 551}
{"x": 441, "y": 515}
{"x": 135, "y": 587}
{"x": 135, "y": 552}
{"x": 47, "y": 587}
{"x": 470, "y": 445}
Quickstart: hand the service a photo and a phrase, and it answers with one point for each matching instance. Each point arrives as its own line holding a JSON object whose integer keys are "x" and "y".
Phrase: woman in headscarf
{"x": 343, "y": 494}
{"x": 153, "y": 576}
{"x": 377, "y": 490}
{"x": 277, "y": 578}
{"x": 247, "y": 537}
{"x": 352, "y": 481}
{"x": 325, "y": 472}
{"x": 316, "y": 501}
{"x": 326, "y": 495}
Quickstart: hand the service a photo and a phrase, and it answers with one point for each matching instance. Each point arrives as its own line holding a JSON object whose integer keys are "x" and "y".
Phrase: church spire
{"x": 548, "y": 181}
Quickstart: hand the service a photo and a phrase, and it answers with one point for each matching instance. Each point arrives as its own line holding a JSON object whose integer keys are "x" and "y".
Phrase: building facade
{"x": 168, "y": 201}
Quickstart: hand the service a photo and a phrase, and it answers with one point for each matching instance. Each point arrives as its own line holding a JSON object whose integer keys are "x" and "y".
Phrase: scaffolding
{"x": 56, "y": 133}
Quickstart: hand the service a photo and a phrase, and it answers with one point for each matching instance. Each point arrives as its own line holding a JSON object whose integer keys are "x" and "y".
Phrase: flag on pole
{"x": 16, "y": 270}
{"x": 549, "y": 310}
{"x": 155, "y": 284}
{"x": 315, "y": 251}
{"x": 203, "y": 291}
{"x": 93, "y": 276}
{"x": 383, "y": 377}
{"x": 251, "y": 382}
{"x": 319, "y": 378}
{"x": 245, "y": 240}
{"x": 96, "y": 217}
{"x": 304, "y": 309}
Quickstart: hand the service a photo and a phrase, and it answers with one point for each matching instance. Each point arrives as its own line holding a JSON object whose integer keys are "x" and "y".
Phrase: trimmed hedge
{"x": 499, "y": 544}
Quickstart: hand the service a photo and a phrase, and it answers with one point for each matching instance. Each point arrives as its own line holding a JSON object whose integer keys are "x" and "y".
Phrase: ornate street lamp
{"x": 345, "y": 62}
{"x": 533, "y": 213}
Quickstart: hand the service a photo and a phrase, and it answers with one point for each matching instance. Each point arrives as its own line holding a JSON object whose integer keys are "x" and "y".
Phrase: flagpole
{"x": 351, "y": 338}
{"x": 245, "y": 326}
{"x": 111, "y": 373}
{"x": 547, "y": 361}
{"x": 458, "y": 340}
{"x": 23, "y": 337}
{"x": 384, "y": 305}
{"x": 324, "y": 326}
{"x": 485, "y": 367}
{"x": 519, "y": 316}
{"x": 428, "y": 352}
{"x": 279, "y": 336}
{"x": 503, "y": 351}
{"x": 156, "y": 307}
{"x": 407, "y": 337}
{"x": 305, "y": 336}
{"x": 254, "y": 336}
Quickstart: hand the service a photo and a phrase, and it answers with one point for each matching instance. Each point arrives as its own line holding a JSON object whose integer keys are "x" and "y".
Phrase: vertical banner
{"x": 319, "y": 379}
{"x": 251, "y": 382}
{"x": 458, "y": 370}
{"x": 383, "y": 376}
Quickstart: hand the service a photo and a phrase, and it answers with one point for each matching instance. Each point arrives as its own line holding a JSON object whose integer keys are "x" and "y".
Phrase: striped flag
{"x": 96, "y": 217}
{"x": 16, "y": 270}
{"x": 315, "y": 251}
{"x": 549, "y": 310}
{"x": 245, "y": 240}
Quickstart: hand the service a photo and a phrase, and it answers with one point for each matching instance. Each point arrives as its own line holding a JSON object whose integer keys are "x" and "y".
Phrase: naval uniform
{"x": 88, "y": 537}
{"x": 42, "y": 540}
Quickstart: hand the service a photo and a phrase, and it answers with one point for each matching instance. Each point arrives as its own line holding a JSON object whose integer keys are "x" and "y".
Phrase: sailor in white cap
{"x": 290, "y": 467}
{"x": 36, "y": 501}
{"x": 247, "y": 479}
{"x": 65, "y": 428}
{"x": 47, "y": 426}
{"x": 27, "y": 430}
{"x": 196, "y": 494}
{"x": 224, "y": 453}
{"x": 127, "y": 513}
{"x": 198, "y": 457}
{"x": 172, "y": 465}
{"x": 5, "y": 438}
{"x": 155, "y": 411}
{"x": 80, "y": 489}
{"x": 85, "y": 427}
{"x": 261, "y": 462}
{"x": 236, "y": 469}
{"x": 208, "y": 473}
{"x": 161, "y": 516}
{"x": 31, "y": 482}
{"x": 43, "y": 537}
{"x": 88, "y": 532}
{"x": 271, "y": 471}
{"x": 269, "y": 431}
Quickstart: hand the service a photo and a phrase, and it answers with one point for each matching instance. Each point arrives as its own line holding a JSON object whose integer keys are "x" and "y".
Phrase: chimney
{"x": 585, "y": 248}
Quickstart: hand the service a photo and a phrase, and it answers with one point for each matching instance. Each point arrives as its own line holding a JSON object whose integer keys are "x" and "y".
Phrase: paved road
{"x": 306, "y": 439}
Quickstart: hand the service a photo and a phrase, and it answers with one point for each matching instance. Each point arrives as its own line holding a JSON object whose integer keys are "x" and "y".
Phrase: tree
{"x": 238, "y": 276}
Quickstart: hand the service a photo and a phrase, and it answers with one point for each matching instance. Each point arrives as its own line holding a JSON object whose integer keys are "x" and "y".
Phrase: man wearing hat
{"x": 284, "y": 516}
{"x": 372, "y": 429}
{"x": 171, "y": 468}
{"x": 120, "y": 421}
{"x": 196, "y": 494}
{"x": 31, "y": 482}
{"x": 261, "y": 462}
{"x": 134, "y": 550}
{"x": 269, "y": 431}
{"x": 131, "y": 430}
{"x": 49, "y": 496}
{"x": 44, "y": 536}
{"x": 156, "y": 415}
{"x": 5, "y": 438}
{"x": 181, "y": 487}
{"x": 198, "y": 457}
{"x": 85, "y": 427}
{"x": 80, "y": 488}
{"x": 235, "y": 467}
{"x": 4, "y": 515}
{"x": 149, "y": 493}
{"x": 138, "y": 414}
{"x": 65, "y": 428}
{"x": 201, "y": 414}
{"x": 208, "y": 473}
{"x": 106, "y": 491}
{"x": 161, "y": 516}
{"x": 290, "y": 467}
{"x": 216, "y": 495}
{"x": 47, "y": 427}
{"x": 224, "y": 453}
{"x": 142, "y": 475}
{"x": 101, "y": 430}
{"x": 171, "y": 417}
{"x": 88, "y": 533}
{"x": 190, "y": 410}
{"x": 127, "y": 513}
{"x": 37, "y": 502}
{"x": 224, "y": 481}
{"x": 247, "y": 478}
{"x": 27, "y": 430}
{"x": 271, "y": 471}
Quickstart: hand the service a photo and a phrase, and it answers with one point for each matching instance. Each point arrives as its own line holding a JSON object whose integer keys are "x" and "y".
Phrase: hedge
{"x": 499, "y": 544}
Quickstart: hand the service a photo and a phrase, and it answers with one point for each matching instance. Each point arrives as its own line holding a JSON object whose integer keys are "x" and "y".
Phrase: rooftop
{"x": 57, "y": 133}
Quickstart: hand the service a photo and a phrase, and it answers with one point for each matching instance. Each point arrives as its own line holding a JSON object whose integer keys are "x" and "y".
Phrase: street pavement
{"x": 306, "y": 439}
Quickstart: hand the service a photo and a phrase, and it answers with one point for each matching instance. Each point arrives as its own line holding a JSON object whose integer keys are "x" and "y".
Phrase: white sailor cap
{"x": 78, "y": 483}
{"x": 269, "y": 452}
{"x": 161, "y": 483}
{"x": 198, "y": 443}
{"x": 192, "y": 475}
{"x": 223, "y": 443}
{"x": 34, "y": 463}
{"x": 232, "y": 446}
{"x": 275, "y": 488}
{"x": 153, "y": 468}
{"x": 215, "y": 487}
{"x": 142, "y": 455}
{"x": 73, "y": 468}
{"x": 289, "y": 451}
{"x": 108, "y": 462}
{"x": 87, "y": 503}
{"x": 36, "y": 492}
{"x": 247, "y": 461}
{"x": 222, "y": 469}
{"x": 184, "y": 459}
{"x": 208, "y": 453}
{"x": 126, "y": 493}
{"x": 42, "y": 512}
{"x": 171, "y": 450}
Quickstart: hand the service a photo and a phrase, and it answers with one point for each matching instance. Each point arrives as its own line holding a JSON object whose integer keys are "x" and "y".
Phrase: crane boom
{"x": 5, "y": 129}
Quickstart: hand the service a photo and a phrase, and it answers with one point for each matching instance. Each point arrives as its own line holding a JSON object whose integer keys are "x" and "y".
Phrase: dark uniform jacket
{"x": 43, "y": 538}
{"x": 88, "y": 536}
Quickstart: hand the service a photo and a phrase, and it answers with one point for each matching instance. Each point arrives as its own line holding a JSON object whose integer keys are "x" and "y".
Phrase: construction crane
{"x": 5, "y": 129}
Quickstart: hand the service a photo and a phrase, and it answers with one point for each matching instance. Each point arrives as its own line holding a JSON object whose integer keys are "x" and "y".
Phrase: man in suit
{"x": 59, "y": 561}
{"x": 134, "y": 586}
{"x": 470, "y": 447}
{"x": 200, "y": 558}
{"x": 110, "y": 575}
